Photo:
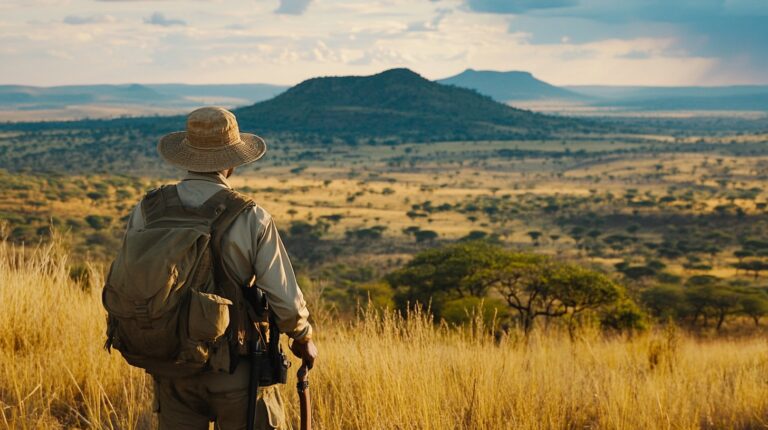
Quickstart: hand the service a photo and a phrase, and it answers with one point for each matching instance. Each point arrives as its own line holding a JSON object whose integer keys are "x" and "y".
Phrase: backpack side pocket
{"x": 208, "y": 316}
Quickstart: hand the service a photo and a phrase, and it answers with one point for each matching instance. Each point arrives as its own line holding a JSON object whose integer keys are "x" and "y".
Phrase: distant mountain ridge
{"x": 30, "y": 97}
{"x": 524, "y": 88}
{"x": 250, "y": 93}
{"x": 510, "y": 86}
{"x": 105, "y": 101}
{"x": 397, "y": 103}
{"x": 22, "y": 103}
{"x": 736, "y": 97}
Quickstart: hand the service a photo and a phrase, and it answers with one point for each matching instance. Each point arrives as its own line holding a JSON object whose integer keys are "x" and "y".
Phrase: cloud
{"x": 292, "y": 7}
{"x": 382, "y": 56}
{"x": 636, "y": 54}
{"x": 677, "y": 11}
{"x": 83, "y": 20}
{"x": 431, "y": 25}
{"x": 158, "y": 18}
{"x": 732, "y": 32}
{"x": 516, "y": 6}
{"x": 624, "y": 42}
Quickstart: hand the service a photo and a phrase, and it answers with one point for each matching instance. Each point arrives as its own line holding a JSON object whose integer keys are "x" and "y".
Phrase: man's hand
{"x": 306, "y": 351}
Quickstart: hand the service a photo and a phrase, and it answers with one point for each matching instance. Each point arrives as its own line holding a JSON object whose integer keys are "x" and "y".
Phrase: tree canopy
{"x": 531, "y": 285}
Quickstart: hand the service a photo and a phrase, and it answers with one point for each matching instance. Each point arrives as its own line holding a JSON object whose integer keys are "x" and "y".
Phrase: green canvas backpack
{"x": 170, "y": 305}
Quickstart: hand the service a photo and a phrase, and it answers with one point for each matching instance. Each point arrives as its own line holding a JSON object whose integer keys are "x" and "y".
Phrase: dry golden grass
{"x": 54, "y": 372}
{"x": 381, "y": 371}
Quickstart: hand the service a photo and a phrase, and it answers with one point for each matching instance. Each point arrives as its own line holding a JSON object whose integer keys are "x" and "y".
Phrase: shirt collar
{"x": 214, "y": 177}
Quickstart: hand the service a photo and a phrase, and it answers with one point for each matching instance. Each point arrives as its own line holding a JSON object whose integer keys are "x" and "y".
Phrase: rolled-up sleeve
{"x": 274, "y": 275}
{"x": 252, "y": 247}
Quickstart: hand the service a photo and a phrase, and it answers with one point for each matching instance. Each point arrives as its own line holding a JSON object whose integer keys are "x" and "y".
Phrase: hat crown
{"x": 212, "y": 128}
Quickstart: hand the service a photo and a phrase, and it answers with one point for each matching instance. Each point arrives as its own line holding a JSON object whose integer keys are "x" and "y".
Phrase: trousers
{"x": 192, "y": 403}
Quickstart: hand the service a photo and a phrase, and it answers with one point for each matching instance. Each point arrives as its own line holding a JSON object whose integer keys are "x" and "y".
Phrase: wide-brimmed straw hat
{"x": 211, "y": 143}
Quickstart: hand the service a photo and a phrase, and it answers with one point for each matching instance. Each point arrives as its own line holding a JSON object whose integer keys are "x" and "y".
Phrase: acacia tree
{"x": 665, "y": 301}
{"x": 580, "y": 289}
{"x": 456, "y": 271}
{"x": 536, "y": 286}
{"x": 532, "y": 285}
{"x": 714, "y": 300}
{"x": 525, "y": 285}
{"x": 754, "y": 304}
{"x": 754, "y": 266}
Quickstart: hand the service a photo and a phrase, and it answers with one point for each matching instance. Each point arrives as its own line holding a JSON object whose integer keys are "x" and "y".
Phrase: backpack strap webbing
{"x": 227, "y": 205}
{"x": 161, "y": 202}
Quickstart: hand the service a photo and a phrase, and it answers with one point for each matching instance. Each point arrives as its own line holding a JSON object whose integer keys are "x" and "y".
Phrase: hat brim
{"x": 175, "y": 149}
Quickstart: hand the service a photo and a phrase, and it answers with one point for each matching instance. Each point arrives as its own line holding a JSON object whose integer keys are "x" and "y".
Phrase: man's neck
{"x": 216, "y": 177}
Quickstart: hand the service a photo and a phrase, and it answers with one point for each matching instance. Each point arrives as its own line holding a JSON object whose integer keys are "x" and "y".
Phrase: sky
{"x": 564, "y": 42}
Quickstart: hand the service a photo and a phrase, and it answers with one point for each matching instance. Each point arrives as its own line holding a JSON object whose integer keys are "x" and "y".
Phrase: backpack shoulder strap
{"x": 227, "y": 205}
{"x": 161, "y": 202}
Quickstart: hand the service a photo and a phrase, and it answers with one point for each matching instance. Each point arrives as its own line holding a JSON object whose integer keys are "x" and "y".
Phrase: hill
{"x": 510, "y": 86}
{"x": 395, "y": 104}
{"x": 516, "y": 86}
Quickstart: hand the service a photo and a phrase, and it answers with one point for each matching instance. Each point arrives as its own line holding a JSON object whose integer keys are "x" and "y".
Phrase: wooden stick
{"x": 305, "y": 404}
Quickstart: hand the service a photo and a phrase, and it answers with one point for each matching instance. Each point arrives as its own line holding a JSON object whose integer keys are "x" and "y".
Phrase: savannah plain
{"x": 675, "y": 217}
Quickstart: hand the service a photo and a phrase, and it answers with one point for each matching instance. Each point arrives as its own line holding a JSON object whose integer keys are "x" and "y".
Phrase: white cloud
{"x": 431, "y": 25}
{"x": 383, "y": 57}
{"x": 92, "y": 19}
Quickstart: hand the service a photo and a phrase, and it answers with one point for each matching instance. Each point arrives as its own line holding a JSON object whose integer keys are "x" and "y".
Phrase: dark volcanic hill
{"x": 510, "y": 86}
{"x": 398, "y": 104}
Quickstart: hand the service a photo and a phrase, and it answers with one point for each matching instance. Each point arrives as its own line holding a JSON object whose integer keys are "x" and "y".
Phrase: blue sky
{"x": 619, "y": 42}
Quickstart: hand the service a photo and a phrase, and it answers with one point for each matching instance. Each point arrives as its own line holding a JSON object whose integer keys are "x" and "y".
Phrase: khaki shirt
{"x": 251, "y": 247}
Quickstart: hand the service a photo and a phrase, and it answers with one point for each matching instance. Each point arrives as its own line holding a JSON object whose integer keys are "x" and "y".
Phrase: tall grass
{"x": 381, "y": 371}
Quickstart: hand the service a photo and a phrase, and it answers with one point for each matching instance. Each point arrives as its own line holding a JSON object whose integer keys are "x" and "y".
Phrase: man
{"x": 210, "y": 149}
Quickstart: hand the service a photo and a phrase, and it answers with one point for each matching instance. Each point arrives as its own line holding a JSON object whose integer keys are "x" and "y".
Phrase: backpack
{"x": 170, "y": 305}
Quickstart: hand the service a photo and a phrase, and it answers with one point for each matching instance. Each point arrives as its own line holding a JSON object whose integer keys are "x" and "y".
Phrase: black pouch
{"x": 269, "y": 359}
{"x": 272, "y": 370}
